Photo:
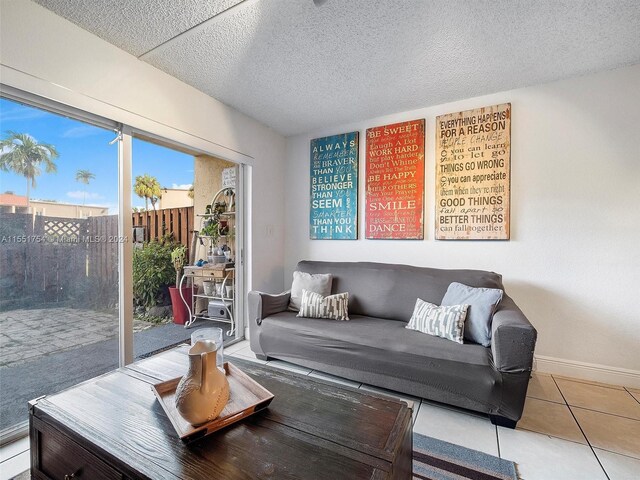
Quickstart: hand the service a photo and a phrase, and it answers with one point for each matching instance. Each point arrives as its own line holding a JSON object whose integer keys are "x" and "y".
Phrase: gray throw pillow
{"x": 482, "y": 304}
{"x": 446, "y": 322}
{"x": 314, "y": 282}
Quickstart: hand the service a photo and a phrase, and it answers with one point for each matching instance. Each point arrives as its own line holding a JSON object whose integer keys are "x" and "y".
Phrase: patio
{"x": 28, "y": 333}
{"x": 43, "y": 351}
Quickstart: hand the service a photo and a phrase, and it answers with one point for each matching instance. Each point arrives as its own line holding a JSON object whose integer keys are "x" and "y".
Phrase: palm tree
{"x": 24, "y": 155}
{"x": 148, "y": 187}
{"x": 84, "y": 176}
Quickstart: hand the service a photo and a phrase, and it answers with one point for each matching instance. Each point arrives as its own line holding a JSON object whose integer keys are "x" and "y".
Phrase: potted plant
{"x": 178, "y": 258}
{"x": 211, "y": 229}
{"x": 180, "y": 310}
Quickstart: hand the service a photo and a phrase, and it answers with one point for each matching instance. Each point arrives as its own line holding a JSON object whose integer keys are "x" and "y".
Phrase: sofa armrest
{"x": 513, "y": 338}
{"x": 261, "y": 305}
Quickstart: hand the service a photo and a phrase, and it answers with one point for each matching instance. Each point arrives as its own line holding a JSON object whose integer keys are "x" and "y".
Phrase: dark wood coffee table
{"x": 112, "y": 427}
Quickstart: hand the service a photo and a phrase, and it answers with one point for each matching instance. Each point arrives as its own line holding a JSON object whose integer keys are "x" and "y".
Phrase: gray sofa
{"x": 375, "y": 348}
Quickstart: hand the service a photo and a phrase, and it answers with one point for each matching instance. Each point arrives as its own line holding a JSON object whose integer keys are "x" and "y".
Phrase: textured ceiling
{"x": 298, "y": 67}
{"x": 137, "y": 26}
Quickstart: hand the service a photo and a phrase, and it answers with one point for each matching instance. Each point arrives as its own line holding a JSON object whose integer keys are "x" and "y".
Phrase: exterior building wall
{"x": 66, "y": 210}
{"x": 11, "y": 203}
{"x": 175, "y": 198}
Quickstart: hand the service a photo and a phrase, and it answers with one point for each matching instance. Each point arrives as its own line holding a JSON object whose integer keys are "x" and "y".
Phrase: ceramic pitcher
{"x": 204, "y": 391}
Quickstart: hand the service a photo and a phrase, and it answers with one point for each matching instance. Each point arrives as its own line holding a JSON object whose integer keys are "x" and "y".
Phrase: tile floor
{"x": 570, "y": 429}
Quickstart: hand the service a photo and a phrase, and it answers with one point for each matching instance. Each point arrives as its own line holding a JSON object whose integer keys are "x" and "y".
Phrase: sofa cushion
{"x": 314, "y": 305}
{"x": 384, "y": 347}
{"x": 314, "y": 282}
{"x": 446, "y": 322}
{"x": 390, "y": 291}
{"x": 482, "y": 304}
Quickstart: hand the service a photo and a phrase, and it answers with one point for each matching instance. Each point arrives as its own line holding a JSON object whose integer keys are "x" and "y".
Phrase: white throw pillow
{"x": 314, "y": 305}
{"x": 314, "y": 282}
{"x": 446, "y": 321}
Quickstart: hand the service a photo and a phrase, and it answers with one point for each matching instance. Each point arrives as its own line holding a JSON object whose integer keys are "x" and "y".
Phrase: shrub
{"x": 152, "y": 272}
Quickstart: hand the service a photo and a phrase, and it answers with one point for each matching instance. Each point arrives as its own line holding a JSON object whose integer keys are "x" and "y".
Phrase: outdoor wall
{"x": 207, "y": 182}
{"x": 175, "y": 198}
{"x": 573, "y": 262}
{"x": 48, "y": 55}
{"x": 66, "y": 210}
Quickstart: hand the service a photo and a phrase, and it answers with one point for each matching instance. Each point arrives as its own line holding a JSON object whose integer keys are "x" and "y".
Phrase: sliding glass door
{"x": 90, "y": 213}
{"x": 162, "y": 193}
{"x": 58, "y": 256}
{"x": 184, "y": 203}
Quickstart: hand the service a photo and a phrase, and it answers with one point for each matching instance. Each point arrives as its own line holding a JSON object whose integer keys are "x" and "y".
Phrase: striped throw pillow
{"x": 446, "y": 321}
{"x": 314, "y": 305}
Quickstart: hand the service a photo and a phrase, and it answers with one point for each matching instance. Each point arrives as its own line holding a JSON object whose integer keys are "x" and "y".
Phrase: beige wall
{"x": 18, "y": 204}
{"x": 66, "y": 210}
{"x": 175, "y": 198}
{"x": 207, "y": 182}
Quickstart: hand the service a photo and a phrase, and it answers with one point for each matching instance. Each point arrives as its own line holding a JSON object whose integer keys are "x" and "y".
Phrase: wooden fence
{"x": 44, "y": 259}
{"x": 102, "y": 250}
{"x": 177, "y": 222}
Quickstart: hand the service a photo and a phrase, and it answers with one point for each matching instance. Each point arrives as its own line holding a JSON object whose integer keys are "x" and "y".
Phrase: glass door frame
{"x": 125, "y": 135}
{"x": 21, "y": 429}
{"x": 242, "y": 194}
{"x": 125, "y": 248}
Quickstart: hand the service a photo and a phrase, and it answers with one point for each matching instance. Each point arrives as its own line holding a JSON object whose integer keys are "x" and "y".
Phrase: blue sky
{"x": 83, "y": 146}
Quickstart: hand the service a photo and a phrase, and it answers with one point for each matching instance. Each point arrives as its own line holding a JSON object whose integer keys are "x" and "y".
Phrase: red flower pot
{"x": 180, "y": 312}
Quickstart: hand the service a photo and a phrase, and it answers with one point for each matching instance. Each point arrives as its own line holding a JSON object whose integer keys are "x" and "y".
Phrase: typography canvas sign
{"x": 473, "y": 174}
{"x": 334, "y": 188}
{"x": 395, "y": 181}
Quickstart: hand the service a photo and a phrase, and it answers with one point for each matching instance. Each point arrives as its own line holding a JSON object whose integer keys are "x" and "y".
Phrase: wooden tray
{"x": 246, "y": 398}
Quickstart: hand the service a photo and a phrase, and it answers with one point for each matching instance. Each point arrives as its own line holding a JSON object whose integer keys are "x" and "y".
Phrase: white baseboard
{"x": 588, "y": 371}
{"x": 246, "y": 333}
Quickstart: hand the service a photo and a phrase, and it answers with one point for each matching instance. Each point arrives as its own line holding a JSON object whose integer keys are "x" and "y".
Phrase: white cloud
{"x": 113, "y": 207}
{"x": 181, "y": 186}
{"x": 79, "y": 194}
{"x": 21, "y": 113}
{"x": 81, "y": 131}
